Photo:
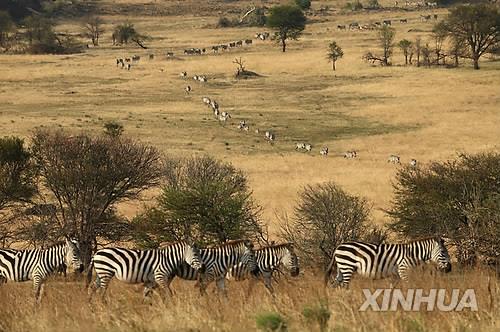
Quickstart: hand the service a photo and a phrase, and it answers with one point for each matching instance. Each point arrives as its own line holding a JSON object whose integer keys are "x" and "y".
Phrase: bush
{"x": 113, "y": 129}
{"x": 203, "y": 199}
{"x": 318, "y": 314}
{"x": 459, "y": 199}
{"x": 255, "y": 19}
{"x": 303, "y": 4}
{"x": 354, "y": 6}
{"x": 224, "y": 22}
{"x": 325, "y": 217}
{"x": 271, "y": 321}
{"x": 373, "y": 4}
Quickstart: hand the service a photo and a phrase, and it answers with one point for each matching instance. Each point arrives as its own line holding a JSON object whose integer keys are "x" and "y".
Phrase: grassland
{"x": 427, "y": 114}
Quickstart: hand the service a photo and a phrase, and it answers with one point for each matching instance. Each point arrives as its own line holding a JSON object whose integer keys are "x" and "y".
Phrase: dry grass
{"x": 427, "y": 114}
{"x": 65, "y": 307}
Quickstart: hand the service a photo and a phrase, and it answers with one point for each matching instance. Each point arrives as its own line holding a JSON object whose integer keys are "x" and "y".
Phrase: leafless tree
{"x": 93, "y": 28}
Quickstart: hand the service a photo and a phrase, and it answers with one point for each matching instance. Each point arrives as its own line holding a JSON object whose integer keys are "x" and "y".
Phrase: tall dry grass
{"x": 65, "y": 306}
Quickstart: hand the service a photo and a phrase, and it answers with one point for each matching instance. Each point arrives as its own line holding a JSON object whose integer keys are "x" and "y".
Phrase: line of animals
{"x": 376, "y": 25}
{"x": 232, "y": 260}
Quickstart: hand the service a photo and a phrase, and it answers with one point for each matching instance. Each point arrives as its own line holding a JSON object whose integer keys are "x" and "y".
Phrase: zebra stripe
{"x": 151, "y": 267}
{"x": 38, "y": 264}
{"x": 269, "y": 259}
{"x": 217, "y": 261}
{"x": 382, "y": 260}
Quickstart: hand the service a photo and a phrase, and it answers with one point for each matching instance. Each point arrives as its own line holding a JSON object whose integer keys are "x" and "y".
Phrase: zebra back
{"x": 220, "y": 258}
{"x": 268, "y": 259}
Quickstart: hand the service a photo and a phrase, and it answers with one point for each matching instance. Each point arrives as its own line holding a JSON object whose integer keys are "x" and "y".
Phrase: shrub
{"x": 325, "y": 217}
{"x": 224, "y": 22}
{"x": 203, "y": 199}
{"x": 303, "y": 4}
{"x": 354, "y": 6}
{"x": 113, "y": 129}
{"x": 459, "y": 199}
{"x": 373, "y": 4}
{"x": 271, "y": 321}
{"x": 318, "y": 314}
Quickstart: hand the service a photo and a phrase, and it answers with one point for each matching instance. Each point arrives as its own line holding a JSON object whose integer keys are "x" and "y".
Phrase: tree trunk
{"x": 406, "y": 59}
{"x": 333, "y": 65}
{"x": 456, "y": 60}
{"x": 475, "y": 58}
{"x": 283, "y": 41}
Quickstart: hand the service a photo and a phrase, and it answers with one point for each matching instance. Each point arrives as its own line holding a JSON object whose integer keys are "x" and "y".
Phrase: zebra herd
{"x": 376, "y": 25}
{"x": 233, "y": 260}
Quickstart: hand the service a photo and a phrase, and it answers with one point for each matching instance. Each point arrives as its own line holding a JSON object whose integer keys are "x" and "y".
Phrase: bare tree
{"x": 85, "y": 177}
{"x": 386, "y": 36}
{"x": 241, "y": 65}
{"x": 418, "y": 49}
{"x": 93, "y": 28}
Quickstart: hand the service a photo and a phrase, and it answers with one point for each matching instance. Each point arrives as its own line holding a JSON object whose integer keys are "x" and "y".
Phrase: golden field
{"x": 421, "y": 113}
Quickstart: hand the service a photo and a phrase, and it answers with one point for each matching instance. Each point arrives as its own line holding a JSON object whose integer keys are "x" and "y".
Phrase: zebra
{"x": 38, "y": 264}
{"x": 308, "y": 147}
{"x": 206, "y": 100}
{"x": 387, "y": 22}
{"x": 188, "y": 89}
{"x": 324, "y": 151}
{"x": 150, "y": 267}
{"x": 382, "y": 260}
{"x": 341, "y": 27}
{"x": 413, "y": 163}
{"x": 269, "y": 259}
{"x": 403, "y": 20}
{"x": 136, "y": 58}
{"x": 270, "y": 136}
{"x": 217, "y": 262}
{"x": 300, "y": 146}
{"x": 394, "y": 159}
{"x": 350, "y": 154}
{"x": 151, "y": 56}
{"x": 183, "y": 74}
{"x": 248, "y": 42}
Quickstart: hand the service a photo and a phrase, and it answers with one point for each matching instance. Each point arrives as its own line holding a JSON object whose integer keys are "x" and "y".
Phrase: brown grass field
{"x": 427, "y": 114}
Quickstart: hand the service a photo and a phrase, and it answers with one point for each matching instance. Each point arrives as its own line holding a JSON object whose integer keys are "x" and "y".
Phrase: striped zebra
{"x": 269, "y": 259}
{"x": 382, "y": 260}
{"x": 218, "y": 260}
{"x": 151, "y": 267}
{"x": 38, "y": 264}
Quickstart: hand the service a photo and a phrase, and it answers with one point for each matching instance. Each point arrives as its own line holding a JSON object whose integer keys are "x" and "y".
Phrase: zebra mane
{"x": 229, "y": 243}
{"x": 277, "y": 246}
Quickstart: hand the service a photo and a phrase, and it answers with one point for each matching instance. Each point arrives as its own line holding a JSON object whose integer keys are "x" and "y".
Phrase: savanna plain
{"x": 422, "y": 113}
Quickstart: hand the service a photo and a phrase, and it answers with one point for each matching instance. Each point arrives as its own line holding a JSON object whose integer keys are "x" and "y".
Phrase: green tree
{"x": 17, "y": 174}
{"x": 477, "y": 25}
{"x": 203, "y": 199}
{"x": 335, "y": 53}
{"x": 289, "y": 21}
{"x": 407, "y": 47}
{"x": 124, "y": 33}
{"x": 459, "y": 199}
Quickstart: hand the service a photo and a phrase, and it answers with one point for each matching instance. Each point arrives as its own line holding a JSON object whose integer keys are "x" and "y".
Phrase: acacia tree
{"x": 203, "y": 199}
{"x": 289, "y": 21}
{"x": 93, "y": 29}
{"x": 85, "y": 177}
{"x": 123, "y": 33}
{"x": 407, "y": 47}
{"x": 335, "y": 52}
{"x": 477, "y": 25}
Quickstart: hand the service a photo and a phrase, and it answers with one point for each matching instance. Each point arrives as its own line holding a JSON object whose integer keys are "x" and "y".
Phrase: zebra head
{"x": 248, "y": 258}
{"x": 440, "y": 256}
{"x": 193, "y": 258}
{"x": 290, "y": 260}
{"x": 72, "y": 258}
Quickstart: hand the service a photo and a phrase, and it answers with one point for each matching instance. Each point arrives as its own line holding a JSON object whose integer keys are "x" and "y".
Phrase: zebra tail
{"x": 331, "y": 269}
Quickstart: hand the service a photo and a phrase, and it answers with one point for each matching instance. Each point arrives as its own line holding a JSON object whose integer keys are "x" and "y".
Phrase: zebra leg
{"x": 148, "y": 289}
{"x": 268, "y": 282}
{"x": 221, "y": 286}
{"x": 403, "y": 272}
{"x": 343, "y": 278}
